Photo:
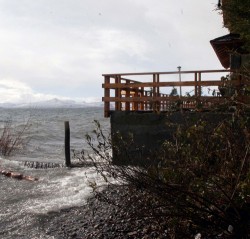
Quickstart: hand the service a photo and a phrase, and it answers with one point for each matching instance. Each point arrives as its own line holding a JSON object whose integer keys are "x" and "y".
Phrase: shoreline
{"x": 101, "y": 219}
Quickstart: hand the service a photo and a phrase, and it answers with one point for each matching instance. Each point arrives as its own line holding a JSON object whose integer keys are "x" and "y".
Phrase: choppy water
{"x": 46, "y": 134}
{"x": 22, "y": 202}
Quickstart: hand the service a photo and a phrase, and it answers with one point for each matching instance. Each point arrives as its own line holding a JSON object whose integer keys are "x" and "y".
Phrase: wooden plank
{"x": 113, "y": 75}
{"x": 154, "y": 99}
{"x": 161, "y": 84}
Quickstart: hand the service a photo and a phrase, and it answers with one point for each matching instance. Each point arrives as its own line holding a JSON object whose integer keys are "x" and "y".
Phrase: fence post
{"x": 67, "y": 144}
{"x": 196, "y": 85}
{"x": 127, "y": 104}
{"x": 106, "y": 95}
{"x": 118, "y": 93}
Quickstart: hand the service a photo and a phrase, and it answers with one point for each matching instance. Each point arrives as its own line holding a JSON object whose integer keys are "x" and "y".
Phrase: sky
{"x": 60, "y": 48}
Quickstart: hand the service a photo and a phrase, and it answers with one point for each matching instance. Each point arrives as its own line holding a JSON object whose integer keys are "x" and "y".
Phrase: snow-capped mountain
{"x": 53, "y": 103}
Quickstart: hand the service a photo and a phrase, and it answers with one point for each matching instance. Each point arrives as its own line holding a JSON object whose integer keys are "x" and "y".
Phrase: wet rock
{"x": 132, "y": 233}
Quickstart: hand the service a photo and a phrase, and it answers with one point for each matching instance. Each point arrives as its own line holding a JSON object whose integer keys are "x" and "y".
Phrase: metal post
{"x": 179, "y": 69}
{"x": 67, "y": 144}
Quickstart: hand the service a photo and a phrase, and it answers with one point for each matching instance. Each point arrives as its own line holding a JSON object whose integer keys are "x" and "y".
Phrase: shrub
{"x": 10, "y": 139}
{"x": 202, "y": 180}
{"x": 204, "y": 176}
{"x": 236, "y": 18}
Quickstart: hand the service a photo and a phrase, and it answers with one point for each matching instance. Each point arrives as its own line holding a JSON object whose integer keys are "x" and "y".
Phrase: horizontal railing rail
{"x": 122, "y": 92}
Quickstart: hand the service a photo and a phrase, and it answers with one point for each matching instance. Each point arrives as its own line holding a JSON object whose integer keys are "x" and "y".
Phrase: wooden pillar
{"x": 127, "y": 104}
{"x": 151, "y": 100}
{"x": 67, "y": 144}
{"x": 164, "y": 102}
{"x": 106, "y": 95}
{"x": 158, "y": 105}
{"x": 118, "y": 94}
{"x": 154, "y": 91}
{"x": 158, "y": 87}
{"x": 195, "y": 87}
{"x": 146, "y": 105}
{"x": 143, "y": 106}
{"x": 136, "y": 102}
{"x": 199, "y": 82}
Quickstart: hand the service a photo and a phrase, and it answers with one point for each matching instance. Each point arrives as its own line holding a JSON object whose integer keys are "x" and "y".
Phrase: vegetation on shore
{"x": 236, "y": 15}
{"x": 11, "y": 139}
{"x": 200, "y": 184}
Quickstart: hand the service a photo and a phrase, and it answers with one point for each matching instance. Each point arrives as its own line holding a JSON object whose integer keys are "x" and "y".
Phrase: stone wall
{"x": 144, "y": 133}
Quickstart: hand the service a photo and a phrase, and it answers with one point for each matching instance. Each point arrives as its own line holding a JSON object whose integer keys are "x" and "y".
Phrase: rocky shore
{"x": 117, "y": 217}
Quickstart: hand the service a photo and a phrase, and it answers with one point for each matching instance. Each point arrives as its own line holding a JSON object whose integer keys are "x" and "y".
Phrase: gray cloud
{"x": 62, "y": 47}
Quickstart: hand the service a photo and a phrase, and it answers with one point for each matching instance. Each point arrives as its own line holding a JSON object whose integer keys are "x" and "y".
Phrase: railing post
{"x": 158, "y": 87}
{"x": 146, "y": 102}
{"x": 127, "y": 104}
{"x": 106, "y": 95}
{"x": 179, "y": 69}
{"x": 164, "y": 102}
{"x": 199, "y": 82}
{"x": 118, "y": 94}
{"x": 195, "y": 87}
{"x": 150, "y": 101}
{"x": 159, "y": 94}
{"x": 154, "y": 91}
{"x": 142, "y": 104}
{"x": 136, "y": 102}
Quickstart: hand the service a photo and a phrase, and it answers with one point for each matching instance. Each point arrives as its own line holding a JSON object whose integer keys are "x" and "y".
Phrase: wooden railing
{"x": 122, "y": 92}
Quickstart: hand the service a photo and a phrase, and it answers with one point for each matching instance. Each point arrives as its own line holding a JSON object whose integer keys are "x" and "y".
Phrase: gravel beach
{"x": 102, "y": 219}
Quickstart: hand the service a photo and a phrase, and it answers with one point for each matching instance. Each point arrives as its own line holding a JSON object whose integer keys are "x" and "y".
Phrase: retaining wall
{"x": 143, "y": 133}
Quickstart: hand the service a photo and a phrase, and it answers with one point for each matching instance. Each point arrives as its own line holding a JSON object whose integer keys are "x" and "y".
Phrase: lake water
{"x": 23, "y": 202}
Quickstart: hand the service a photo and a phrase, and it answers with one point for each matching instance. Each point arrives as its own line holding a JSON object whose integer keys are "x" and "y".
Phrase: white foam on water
{"x": 55, "y": 189}
{"x": 58, "y": 191}
{"x": 8, "y": 163}
{"x": 22, "y": 201}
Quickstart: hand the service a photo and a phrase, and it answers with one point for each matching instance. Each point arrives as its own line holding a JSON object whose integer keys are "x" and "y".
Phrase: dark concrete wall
{"x": 149, "y": 131}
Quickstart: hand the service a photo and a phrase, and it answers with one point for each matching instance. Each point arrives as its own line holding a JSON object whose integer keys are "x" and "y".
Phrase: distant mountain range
{"x": 53, "y": 103}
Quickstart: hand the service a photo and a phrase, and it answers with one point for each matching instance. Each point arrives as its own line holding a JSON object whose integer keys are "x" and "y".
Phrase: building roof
{"x": 224, "y": 46}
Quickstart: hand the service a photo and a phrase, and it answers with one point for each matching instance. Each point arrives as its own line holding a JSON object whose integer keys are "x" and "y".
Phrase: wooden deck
{"x": 124, "y": 92}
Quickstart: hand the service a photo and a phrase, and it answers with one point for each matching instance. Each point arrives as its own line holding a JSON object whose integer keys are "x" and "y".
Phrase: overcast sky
{"x": 61, "y": 48}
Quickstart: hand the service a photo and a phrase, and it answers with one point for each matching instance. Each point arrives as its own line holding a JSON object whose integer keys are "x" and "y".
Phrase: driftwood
{"x": 16, "y": 175}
